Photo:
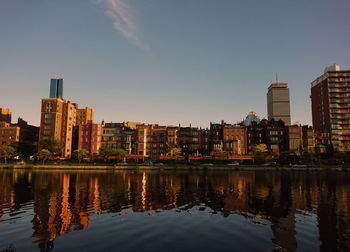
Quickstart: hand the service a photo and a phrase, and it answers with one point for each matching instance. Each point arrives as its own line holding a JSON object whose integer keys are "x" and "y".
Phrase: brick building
{"x": 90, "y": 137}
{"x": 234, "y": 139}
{"x": 9, "y": 134}
{"x": 330, "y": 99}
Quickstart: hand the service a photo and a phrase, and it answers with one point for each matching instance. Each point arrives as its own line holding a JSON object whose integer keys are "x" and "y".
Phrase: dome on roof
{"x": 250, "y": 118}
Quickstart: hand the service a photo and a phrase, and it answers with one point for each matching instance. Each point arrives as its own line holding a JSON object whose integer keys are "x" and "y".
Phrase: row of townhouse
{"x": 279, "y": 138}
{"x": 153, "y": 141}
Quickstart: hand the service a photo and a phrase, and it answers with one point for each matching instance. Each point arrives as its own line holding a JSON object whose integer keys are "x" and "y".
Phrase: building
{"x": 28, "y": 133}
{"x": 278, "y": 102}
{"x": 9, "y": 134}
{"x": 330, "y": 99}
{"x": 234, "y": 139}
{"x": 5, "y": 115}
{"x": 294, "y": 138}
{"x": 308, "y": 138}
{"x": 85, "y": 116}
{"x": 216, "y": 143}
{"x": 188, "y": 141}
{"x": 58, "y": 117}
{"x": 56, "y": 88}
{"x": 90, "y": 137}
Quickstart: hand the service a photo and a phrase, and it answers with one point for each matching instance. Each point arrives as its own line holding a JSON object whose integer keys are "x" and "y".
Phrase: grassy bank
{"x": 167, "y": 167}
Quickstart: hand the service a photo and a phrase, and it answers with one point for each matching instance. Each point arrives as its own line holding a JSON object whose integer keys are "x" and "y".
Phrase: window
{"x": 48, "y": 116}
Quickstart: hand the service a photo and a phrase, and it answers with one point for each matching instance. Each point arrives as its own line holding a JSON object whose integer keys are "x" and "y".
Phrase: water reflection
{"x": 66, "y": 201}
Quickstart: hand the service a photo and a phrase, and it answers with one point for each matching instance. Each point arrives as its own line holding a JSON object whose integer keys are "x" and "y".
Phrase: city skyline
{"x": 215, "y": 62}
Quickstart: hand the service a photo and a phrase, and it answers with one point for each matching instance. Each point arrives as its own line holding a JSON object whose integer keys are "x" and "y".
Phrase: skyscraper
{"x": 278, "y": 103}
{"x": 330, "y": 99}
{"x": 56, "y": 88}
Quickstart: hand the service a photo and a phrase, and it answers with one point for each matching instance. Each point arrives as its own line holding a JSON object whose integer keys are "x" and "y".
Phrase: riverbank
{"x": 181, "y": 167}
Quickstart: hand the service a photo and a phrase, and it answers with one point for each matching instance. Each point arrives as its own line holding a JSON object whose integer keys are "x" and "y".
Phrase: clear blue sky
{"x": 168, "y": 61}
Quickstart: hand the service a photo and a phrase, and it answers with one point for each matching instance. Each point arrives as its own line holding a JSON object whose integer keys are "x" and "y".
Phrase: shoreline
{"x": 178, "y": 167}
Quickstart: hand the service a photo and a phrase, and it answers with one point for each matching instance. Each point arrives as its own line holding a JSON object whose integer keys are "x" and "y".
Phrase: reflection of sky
{"x": 172, "y": 61}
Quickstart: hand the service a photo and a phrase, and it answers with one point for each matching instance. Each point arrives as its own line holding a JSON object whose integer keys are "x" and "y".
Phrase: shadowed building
{"x": 278, "y": 102}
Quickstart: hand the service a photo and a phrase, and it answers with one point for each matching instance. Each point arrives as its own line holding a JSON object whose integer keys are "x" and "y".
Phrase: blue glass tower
{"x": 56, "y": 88}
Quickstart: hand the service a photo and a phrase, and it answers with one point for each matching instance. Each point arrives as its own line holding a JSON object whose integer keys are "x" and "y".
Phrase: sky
{"x": 168, "y": 61}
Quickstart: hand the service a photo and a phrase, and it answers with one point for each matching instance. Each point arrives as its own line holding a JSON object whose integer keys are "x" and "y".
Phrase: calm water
{"x": 174, "y": 211}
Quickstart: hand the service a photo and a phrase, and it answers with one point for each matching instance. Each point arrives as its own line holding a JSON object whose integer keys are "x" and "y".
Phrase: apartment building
{"x": 330, "y": 99}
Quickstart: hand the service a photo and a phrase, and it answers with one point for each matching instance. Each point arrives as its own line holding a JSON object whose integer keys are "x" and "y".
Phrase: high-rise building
{"x": 56, "y": 88}
{"x": 330, "y": 99}
{"x": 5, "y": 115}
{"x": 278, "y": 102}
{"x": 57, "y": 120}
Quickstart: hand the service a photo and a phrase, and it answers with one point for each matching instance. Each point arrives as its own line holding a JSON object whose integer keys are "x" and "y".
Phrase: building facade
{"x": 234, "y": 139}
{"x": 295, "y": 138}
{"x": 85, "y": 116}
{"x": 9, "y": 134}
{"x": 90, "y": 138}
{"x": 58, "y": 117}
{"x": 278, "y": 102}
{"x": 330, "y": 99}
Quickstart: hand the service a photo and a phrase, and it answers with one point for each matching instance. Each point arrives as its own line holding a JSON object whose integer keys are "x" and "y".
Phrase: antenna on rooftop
{"x": 276, "y": 77}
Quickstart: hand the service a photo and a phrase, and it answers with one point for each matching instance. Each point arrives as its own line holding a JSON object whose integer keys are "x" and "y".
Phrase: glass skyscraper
{"x": 56, "y": 88}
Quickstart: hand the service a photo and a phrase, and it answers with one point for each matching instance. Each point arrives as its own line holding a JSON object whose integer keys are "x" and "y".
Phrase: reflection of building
{"x": 64, "y": 202}
{"x": 278, "y": 104}
{"x": 330, "y": 98}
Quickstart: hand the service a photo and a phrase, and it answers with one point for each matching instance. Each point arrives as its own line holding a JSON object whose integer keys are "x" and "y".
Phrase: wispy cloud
{"x": 123, "y": 21}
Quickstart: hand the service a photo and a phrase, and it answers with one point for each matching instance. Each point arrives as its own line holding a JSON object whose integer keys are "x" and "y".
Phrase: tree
{"x": 174, "y": 152}
{"x": 259, "y": 152}
{"x": 307, "y": 157}
{"x": 6, "y": 152}
{"x": 106, "y": 152}
{"x": 44, "y": 155}
{"x": 81, "y": 154}
{"x": 119, "y": 153}
{"x": 25, "y": 149}
{"x": 51, "y": 145}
